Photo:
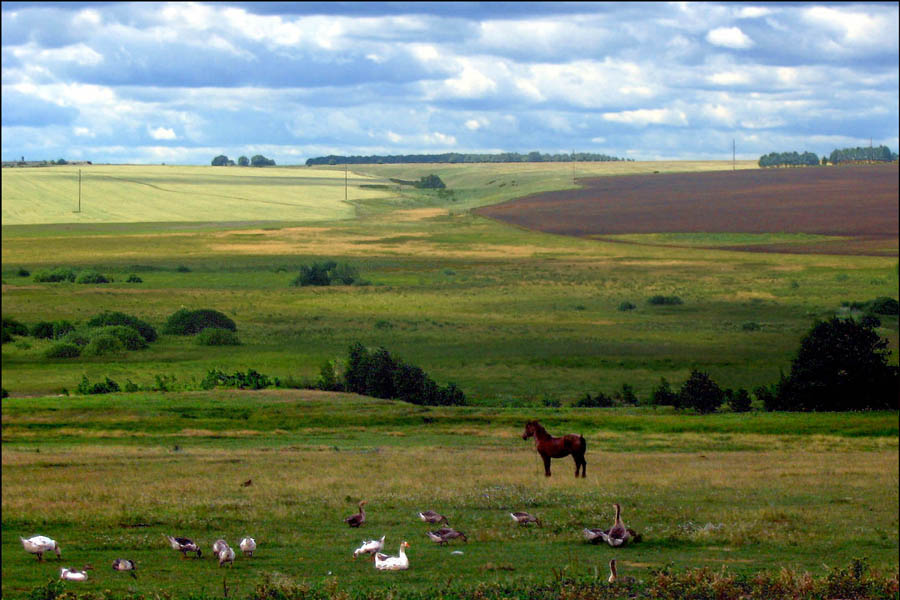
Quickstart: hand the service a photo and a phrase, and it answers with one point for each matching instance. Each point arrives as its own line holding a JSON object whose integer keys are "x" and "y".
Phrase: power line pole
{"x": 79, "y": 191}
{"x": 733, "y": 166}
{"x": 345, "y": 182}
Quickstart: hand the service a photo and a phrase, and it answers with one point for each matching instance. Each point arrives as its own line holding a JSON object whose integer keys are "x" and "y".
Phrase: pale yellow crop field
{"x": 159, "y": 193}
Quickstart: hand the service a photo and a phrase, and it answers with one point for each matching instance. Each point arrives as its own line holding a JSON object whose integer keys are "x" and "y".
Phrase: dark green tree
{"x": 701, "y": 393}
{"x": 842, "y": 364}
{"x": 261, "y": 161}
{"x": 663, "y": 395}
{"x": 243, "y": 161}
{"x": 220, "y": 161}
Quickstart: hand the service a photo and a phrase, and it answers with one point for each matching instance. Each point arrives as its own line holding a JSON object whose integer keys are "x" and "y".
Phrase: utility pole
{"x": 345, "y": 182}
{"x": 79, "y": 191}
{"x": 733, "y": 166}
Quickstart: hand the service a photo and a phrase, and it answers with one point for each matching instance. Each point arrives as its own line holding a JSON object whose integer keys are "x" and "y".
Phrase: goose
{"x": 219, "y": 546}
{"x": 123, "y": 564}
{"x": 226, "y": 555}
{"x": 617, "y": 535}
{"x": 73, "y": 575}
{"x": 445, "y": 534}
{"x": 614, "y": 574}
{"x": 384, "y": 562}
{"x": 429, "y": 516}
{"x": 369, "y": 547}
{"x": 523, "y": 518}
{"x": 247, "y": 483}
{"x": 184, "y": 545}
{"x": 248, "y": 546}
{"x": 39, "y": 544}
{"x": 357, "y": 519}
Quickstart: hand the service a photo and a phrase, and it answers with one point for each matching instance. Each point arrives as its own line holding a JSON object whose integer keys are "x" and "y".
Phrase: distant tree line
{"x": 257, "y": 161}
{"x": 863, "y": 154}
{"x": 795, "y": 159}
{"x": 456, "y": 157}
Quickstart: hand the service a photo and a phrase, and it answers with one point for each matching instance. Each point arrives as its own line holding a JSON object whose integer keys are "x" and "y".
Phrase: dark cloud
{"x": 24, "y": 110}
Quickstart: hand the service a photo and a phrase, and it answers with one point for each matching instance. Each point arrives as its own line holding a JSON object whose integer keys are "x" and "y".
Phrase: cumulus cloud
{"x": 729, "y": 37}
{"x": 186, "y": 81}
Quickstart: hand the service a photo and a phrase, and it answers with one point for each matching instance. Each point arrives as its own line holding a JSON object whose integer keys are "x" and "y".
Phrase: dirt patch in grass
{"x": 859, "y": 203}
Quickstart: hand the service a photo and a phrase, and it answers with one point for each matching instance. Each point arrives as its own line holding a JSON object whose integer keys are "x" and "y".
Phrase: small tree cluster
{"x": 377, "y": 373}
{"x": 326, "y": 273}
{"x": 259, "y": 160}
{"x": 701, "y": 393}
{"x": 107, "y": 386}
{"x": 251, "y": 380}
{"x": 788, "y": 159}
{"x": 430, "y": 182}
{"x": 660, "y": 300}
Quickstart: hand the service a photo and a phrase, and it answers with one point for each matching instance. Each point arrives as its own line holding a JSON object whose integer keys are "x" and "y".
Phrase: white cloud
{"x": 729, "y": 37}
{"x": 729, "y": 78}
{"x": 754, "y": 12}
{"x": 643, "y": 117}
{"x": 162, "y": 133}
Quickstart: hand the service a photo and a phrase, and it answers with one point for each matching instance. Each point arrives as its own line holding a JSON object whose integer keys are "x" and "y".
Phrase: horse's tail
{"x": 583, "y": 443}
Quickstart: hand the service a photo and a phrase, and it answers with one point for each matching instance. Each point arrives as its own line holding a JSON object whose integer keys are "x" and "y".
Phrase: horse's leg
{"x": 546, "y": 465}
{"x": 580, "y": 463}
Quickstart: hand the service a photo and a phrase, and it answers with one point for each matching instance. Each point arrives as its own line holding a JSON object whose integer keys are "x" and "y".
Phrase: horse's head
{"x": 529, "y": 429}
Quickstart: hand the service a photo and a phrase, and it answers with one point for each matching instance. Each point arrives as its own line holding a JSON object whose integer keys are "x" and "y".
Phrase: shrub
{"x": 55, "y": 275}
{"x": 750, "y": 326}
{"x": 105, "y": 343}
{"x": 627, "y": 395}
{"x": 627, "y": 306}
{"x": 883, "y": 305}
{"x": 78, "y": 338}
{"x": 119, "y": 318}
{"x": 249, "y": 380}
{"x": 700, "y": 393}
{"x": 22, "y": 272}
{"x": 659, "y": 300}
{"x": 739, "y": 401}
{"x": 63, "y": 350}
{"x": 191, "y": 322}
{"x": 663, "y": 395}
{"x": 326, "y": 273}
{"x": 216, "y": 336}
{"x": 12, "y": 327}
{"x": 4, "y": 393}
{"x": 42, "y": 330}
{"x": 134, "y": 279}
{"x": 103, "y": 387}
{"x": 430, "y": 182}
{"x": 601, "y": 400}
{"x": 182, "y": 269}
{"x": 130, "y": 338}
{"x": 329, "y": 378}
{"x": 92, "y": 277}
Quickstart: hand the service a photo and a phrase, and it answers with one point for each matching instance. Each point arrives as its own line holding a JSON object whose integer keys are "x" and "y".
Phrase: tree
{"x": 841, "y": 365}
{"x": 663, "y": 394}
{"x": 700, "y": 393}
{"x": 220, "y": 161}
{"x": 243, "y": 161}
{"x": 739, "y": 401}
{"x": 261, "y": 161}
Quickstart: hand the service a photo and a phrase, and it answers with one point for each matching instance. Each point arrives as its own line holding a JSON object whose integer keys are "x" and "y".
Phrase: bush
{"x": 55, "y": 275}
{"x": 659, "y": 300}
{"x": 4, "y": 393}
{"x": 739, "y": 401}
{"x": 103, "y": 387}
{"x": 700, "y": 393}
{"x": 12, "y": 327}
{"x": 63, "y": 350}
{"x": 627, "y": 395}
{"x": 249, "y": 380}
{"x": 430, "y": 182}
{"x": 119, "y": 318}
{"x": 130, "y": 338}
{"x": 92, "y": 277}
{"x": 191, "y": 322}
{"x": 627, "y": 306}
{"x": 134, "y": 279}
{"x": 601, "y": 400}
{"x": 329, "y": 379}
{"x": 750, "y": 326}
{"x": 216, "y": 336}
{"x": 663, "y": 395}
{"x": 78, "y": 338}
{"x": 42, "y": 330}
{"x": 326, "y": 273}
{"x": 22, "y": 272}
{"x": 182, "y": 269}
{"x": 883, "y": 305}
{"x": 105, "y": 343}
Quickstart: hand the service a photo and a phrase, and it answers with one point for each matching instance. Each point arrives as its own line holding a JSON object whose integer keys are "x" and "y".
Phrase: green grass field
{"x": 108, "y": 477}
{"x": 515, "y": 318}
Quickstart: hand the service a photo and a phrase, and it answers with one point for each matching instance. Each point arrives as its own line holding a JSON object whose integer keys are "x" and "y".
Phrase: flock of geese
{"x": 616, "y": 536}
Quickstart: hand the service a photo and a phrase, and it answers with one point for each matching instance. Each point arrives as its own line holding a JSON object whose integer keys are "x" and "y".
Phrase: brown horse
{"x": 557, "y": 447}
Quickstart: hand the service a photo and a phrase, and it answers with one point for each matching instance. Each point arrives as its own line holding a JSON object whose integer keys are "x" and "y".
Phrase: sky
{"x": 180, "y": 83}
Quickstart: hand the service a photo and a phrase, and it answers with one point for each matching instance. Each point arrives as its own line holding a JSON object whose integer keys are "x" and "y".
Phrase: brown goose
{"x": 617, "y": 535}
{"x": 523, "y": 518}
{"x": 357, "y": 519}
{"x": 124, "y": 564}
{"x": 614, "y": 574}
{"x": 184, "y": 545}
{"x": 429, "y": 516}
{"x": 444, "y": 535}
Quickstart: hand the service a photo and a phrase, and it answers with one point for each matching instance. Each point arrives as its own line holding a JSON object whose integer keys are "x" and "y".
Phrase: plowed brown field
{"x": 859, "y": 203}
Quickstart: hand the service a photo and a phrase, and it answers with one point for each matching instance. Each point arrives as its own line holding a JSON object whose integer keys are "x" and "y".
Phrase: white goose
{"x": 184, "y": 545}
{"x": 124, "y": 564}
{"x": 615, "y": 536}
{"x": 248, "y": 546}
{"x": 369, "y": 547}
{"x": 384, "y": 562}
{"x": 40, "y": 544}
{"x": 218, "y": 546}
{"x": 226, "y": 555}
{"x": 73, "y": 575}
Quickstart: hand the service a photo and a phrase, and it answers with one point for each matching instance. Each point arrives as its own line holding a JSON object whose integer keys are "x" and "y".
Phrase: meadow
{"x": 516, "y": 318}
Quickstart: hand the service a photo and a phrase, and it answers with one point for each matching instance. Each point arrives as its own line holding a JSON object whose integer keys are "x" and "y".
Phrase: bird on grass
{"x": 615, "y": 536}
{"x": 184, "y": 545}
{"x": 226, "y": 555}
{"x": 369, "y": 547}
{"x": 384, "y": 562}
{"x": 614, "y": 574}
{"x": 123, "y": 564}
{"x": 39, "y": 544}
{"x": 359, "y": 518}
{"x": 429, "y": 516}
{"x": 247, "y": 483}
{"x": 523, "y": 518}
{"x": 72, "y": 575}
{"x": 248, "y": 546}
{"x": 444, "y": 535}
